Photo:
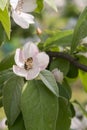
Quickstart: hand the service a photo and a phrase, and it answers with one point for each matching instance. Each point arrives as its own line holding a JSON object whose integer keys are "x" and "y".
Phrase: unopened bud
{"x": 39, "y": 31}
{"x": 58, "y": 75}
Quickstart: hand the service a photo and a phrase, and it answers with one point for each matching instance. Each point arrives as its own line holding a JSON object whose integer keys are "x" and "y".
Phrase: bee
{"x": 28, "y": 63}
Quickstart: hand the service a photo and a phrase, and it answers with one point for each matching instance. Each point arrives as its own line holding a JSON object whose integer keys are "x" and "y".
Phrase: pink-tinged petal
{"x": 32, "y": 73}
{"x": 30, "y": 50}
{"x": 19, "y": 58}
{"x": 29, "y": 5}
{"x": 19, "y": 71}
{"x": 58, "y": 75}
{"x": 22, "y": 19}
{"x": 14, "y": 3}
{"x": 43, "y": 60}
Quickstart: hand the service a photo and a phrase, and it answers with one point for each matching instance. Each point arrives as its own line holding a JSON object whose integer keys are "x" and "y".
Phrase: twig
{"x": 69, "y": 58}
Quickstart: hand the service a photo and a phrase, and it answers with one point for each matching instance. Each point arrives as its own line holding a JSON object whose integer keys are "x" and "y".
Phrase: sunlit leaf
{"x": 5, "y": 20}
{"x": 80, "y": 30}
{"x": 59, "y": 38}
{"x": 2, "y": 34}
{"x": 3, "y": 4}
{"x": 39, "y": 5}
{"x": 83, "y": 78}
{"x": 52, "y": 4}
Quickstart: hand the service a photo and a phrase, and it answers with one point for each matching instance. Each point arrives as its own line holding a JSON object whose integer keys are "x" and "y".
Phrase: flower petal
{"x": 19, "y": 58}
{"x": 30, "y": 50}
{"x": 14, "y": 3}
{"x": 29, "y": 5}
{"x": 58, "y": 75}
{"x": 32, "y": 73}
{"x": 43, "y": 60}
{"x": 19, "y": 71}
{"x": 22, "y": 19}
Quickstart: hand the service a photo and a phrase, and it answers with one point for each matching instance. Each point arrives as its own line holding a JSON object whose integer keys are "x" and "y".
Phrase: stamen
{"x": 20, "y": 5}
{"x": 28, "y": 63}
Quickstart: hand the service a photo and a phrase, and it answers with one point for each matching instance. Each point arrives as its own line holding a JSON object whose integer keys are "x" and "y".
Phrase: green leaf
{"x": 60, "y": 64}
{"x": 73, "y": 71}
{"x": 18, "y": 125}
{"x": 1, "y": 104}
{"x": 39, "y": 6}
{"x": 3, "y": 4}
{"x": 4, "y": 76}
{"x": 82, "y": 59}
{"x": 52, "y": 4}
{"x": 58, "y": 38}
{"x": 63, "y": 120}
{"x": 5, "y": 20}
{"x": 11, "y": 98}
{"x": 50, "y": 82}
{"x": 65, "y": 90}
{"x": 83, "y": 78}
{"x": 80, "y": 30}
{"x": 7, "y": 62}
{"x": 73, "y": 111}
{"x": 2, "y": 34}
{"x": 39, "y": 107}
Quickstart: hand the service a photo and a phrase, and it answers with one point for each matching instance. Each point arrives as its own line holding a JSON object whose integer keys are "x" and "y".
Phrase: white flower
{"x": 84, "y": 41}
{"x": 2, "y": 124}
{"x": 76, "y": 124}
{"x": 19, "y": 7}
{"x": 58, "y": 75}
{"x": 29, "y": 61}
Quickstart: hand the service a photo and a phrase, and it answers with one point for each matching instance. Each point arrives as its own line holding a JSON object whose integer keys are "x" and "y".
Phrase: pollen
{"x": 28, "y": 63}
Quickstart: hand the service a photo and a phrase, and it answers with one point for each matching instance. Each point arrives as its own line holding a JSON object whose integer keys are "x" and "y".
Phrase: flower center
{"x": 28, "y": 63}
{"x": 20, "y": 5}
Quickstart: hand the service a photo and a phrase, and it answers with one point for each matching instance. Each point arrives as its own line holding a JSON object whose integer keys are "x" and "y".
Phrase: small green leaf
{"x": 73, "y": 71}
{"x": 18, "y": 125}
{"x": 7, "y": 62}
{"x": 2, "y": 34}
{"x": 60, "y": 64}
{"x": 5, "y": 20}
{"x": 83, "y": 78}
{"x": 3, "y": 4}
{"x": 39, "y": 6}
{"x": 65, "y": 90}
{"x": 72, "y": 109}
{"x": 80, "y": 30}
{"x": 63, "y": 120}
{"x": 58, "y": 38}
{"x": 4, "y": 76}
{"x": 11, "y": 98}
{"x": 82, "y": 59}
{"x": 50, "y": 82}
{"x": 52, "y": 4}
{"x": 1, "y": 104}
{"x": 39, "y": 107}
